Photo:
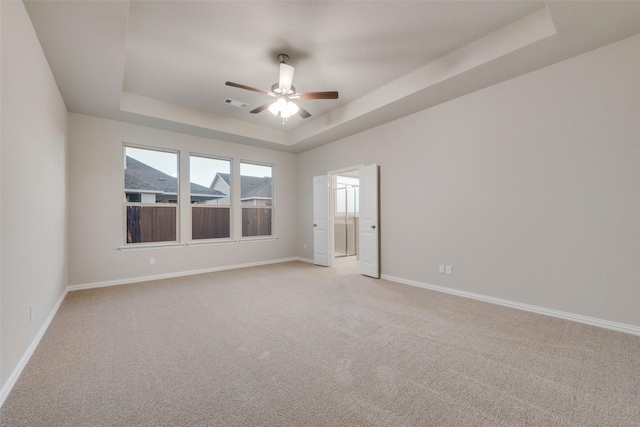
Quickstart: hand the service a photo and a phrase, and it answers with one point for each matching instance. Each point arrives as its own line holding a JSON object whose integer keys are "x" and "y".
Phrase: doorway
{"x": 359, "y": 222}
{"x": 346, "y": 216}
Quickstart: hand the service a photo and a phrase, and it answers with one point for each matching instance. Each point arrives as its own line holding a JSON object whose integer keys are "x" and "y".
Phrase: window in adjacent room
{"x": 210, "y": 194}
{"x": 256, "y": 195}
{"x": 150, "y": 195}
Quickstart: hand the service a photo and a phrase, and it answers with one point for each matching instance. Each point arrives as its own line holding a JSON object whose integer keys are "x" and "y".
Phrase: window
{"x": 210, "y": 197}
{"x": 256, "y": 195}
{"x": 151, "y": 195}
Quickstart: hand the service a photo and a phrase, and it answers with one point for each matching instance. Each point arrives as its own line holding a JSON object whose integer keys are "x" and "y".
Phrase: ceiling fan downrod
{"x": 283, "y": 58}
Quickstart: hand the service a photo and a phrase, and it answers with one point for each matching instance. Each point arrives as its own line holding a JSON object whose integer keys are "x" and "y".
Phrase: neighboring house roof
{"x": 224, "y": 176}
{"x": 221, "y": 176}
{"x": 142, "y": 177}
{"x": 251, "y": 187}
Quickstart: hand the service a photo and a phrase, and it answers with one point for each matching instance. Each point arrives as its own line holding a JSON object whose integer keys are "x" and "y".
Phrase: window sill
{"x": 257, "y": 239}
{"x": 207, "y": 242}
{"x": 142, "y": 246}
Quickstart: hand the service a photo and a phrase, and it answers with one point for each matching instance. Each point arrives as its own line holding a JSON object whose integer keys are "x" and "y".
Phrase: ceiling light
{"x": 292, "y": 108}
{"x": 284, "y": 108}
{"x": 278, "y": 106}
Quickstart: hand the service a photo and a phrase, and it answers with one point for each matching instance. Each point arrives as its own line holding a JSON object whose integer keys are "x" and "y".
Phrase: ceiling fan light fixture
{"x": 284, "y": 108}
{"x": 292, "y": 108}
{"x": 278, "y": 106}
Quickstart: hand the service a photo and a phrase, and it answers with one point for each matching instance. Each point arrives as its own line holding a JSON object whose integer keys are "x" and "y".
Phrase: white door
{"x": 369, "y": 227}
{"x": 321, "y": 252}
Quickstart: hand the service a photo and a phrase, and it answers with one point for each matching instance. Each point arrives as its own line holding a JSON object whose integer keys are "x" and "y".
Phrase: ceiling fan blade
{"x": 303, "y": 113}
{"x": 316, "y": 95}
{"x": 262, "y": 107}
{"x": 286, "y": 77}
{"x": 238, "y": 85}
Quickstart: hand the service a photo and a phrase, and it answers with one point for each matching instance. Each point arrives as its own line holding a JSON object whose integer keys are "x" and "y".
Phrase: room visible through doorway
{"x": 346, "y": 210}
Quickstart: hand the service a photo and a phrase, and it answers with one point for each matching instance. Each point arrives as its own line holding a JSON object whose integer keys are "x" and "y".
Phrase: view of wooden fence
{"x": 210, "y": 222}
{"x": 256, "y": 221}
{"x": 147, "y": 224}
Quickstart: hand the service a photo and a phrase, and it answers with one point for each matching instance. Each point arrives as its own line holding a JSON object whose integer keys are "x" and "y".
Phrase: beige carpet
{"x": 299, "y": 345}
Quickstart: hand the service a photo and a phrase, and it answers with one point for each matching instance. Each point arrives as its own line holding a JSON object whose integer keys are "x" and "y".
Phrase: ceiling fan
{"x": 284, "y": 93}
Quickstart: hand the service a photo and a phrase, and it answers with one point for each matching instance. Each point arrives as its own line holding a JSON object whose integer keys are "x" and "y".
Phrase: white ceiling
{"x": 164, "y": 64}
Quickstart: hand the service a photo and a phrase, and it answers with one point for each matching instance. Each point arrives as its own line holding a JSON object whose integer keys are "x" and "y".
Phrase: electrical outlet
{"x": 449, "y": 269}
{"x": 441, "y": 268}
{"x": 305, "y": 246}
{"x": 152, "y": 261}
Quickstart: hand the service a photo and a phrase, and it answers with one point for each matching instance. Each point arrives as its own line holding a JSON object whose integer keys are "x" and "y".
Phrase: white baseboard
{"x": 307, "y": 260}
{"x": 13, "y": 378}
{"x": 176, "y": 274}
{"x": 620, "y": 327}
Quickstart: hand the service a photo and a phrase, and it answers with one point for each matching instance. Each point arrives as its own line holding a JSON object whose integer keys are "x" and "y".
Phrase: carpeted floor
{"x": 298, "y": 345}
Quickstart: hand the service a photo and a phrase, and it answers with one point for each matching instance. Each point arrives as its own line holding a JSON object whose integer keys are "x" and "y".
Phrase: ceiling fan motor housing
{"x": 283, "y": 58}
{"x": 276, "y": 89}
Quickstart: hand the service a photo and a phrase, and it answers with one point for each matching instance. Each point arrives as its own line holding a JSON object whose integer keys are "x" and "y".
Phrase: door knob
{"x": 315, "y": 225}
{"x": 373, "y": 226}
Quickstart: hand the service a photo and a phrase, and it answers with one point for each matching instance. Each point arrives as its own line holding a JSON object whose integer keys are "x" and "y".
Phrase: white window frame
{"x": 273, "y": 234}
{"x": 231, "y": 205}
{"x": 125, "y": 204}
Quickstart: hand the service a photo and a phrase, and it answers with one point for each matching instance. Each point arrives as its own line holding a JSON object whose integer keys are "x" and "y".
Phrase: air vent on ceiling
{"x": 235, "y": 103}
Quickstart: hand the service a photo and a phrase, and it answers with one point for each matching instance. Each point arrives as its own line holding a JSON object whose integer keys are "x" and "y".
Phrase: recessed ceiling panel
{"x": 164, "y": 64}
{"x": 183, "y": 52}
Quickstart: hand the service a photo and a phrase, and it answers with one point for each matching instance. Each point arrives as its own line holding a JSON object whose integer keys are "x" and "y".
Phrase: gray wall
{"x": 97, "y": 194}
{"x": 530, "y": 189}
{"x": 33, "y": 189}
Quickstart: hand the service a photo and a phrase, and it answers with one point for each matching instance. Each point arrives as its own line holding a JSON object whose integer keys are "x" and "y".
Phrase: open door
{"x": 321, "y": 252}
{"x": 369, "y": 227}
